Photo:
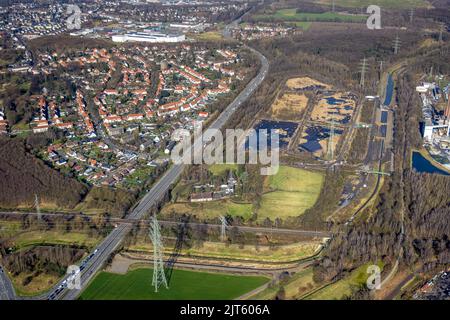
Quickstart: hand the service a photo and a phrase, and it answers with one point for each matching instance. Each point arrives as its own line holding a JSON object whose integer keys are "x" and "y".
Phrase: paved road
{"x": 6, "y": 288}
{"x": 113, "y": 240}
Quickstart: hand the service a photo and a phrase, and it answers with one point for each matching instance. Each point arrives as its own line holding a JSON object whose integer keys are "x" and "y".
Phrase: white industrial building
{"x": 153, "y": 37}
{"x": 433, "y": 125}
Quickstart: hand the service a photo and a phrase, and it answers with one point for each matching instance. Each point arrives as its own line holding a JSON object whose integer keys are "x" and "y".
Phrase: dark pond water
{"x": 421, "y": 164}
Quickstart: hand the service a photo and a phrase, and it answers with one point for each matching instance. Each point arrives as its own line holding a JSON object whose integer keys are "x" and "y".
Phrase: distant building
{"x": 202, "y": 197}
{"x": 154, "y": 37}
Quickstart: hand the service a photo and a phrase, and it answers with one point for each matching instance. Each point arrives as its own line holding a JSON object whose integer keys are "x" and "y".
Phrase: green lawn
{"x": 295, "y": 190}
{"x": 184, "y": 285}
{"x": 220, "y": 169}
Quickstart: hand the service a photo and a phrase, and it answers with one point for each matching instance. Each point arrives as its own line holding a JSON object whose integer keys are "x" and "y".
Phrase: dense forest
{"x": 41, "y": 259}
{"x": 22, "y": 176}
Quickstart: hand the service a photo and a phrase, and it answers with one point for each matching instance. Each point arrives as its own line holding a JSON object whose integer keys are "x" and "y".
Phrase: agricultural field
{"x": 184, "y": 285}
{"x": 293, "y": 192}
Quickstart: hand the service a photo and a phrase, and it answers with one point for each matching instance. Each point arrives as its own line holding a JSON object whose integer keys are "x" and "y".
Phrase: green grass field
{"x": 289, "y": 193}
{"x": 393, "y": 4}
{"x": 219, "y": 169}
{"x": 185, "y": 285}
{"x": 292, "y": 15}
{"x": 208, "y": 36}
{"x": 211, "y": 209}
{"x": 344, "y": 287}
{"x": 22, "y": 239}
{"x": 295, "y": 191}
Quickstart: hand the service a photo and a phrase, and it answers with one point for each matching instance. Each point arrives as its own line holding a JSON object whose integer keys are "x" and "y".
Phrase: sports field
{"x": 184, "y": 285}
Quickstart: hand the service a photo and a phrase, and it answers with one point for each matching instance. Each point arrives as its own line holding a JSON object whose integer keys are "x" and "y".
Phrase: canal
{"x": 389, "y": 90}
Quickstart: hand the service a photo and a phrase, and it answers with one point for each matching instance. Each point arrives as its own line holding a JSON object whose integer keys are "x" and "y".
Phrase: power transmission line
{"x": 381, "y": 68}
{"x": 441, "y": 32}
{"x": 363, "y": 71}
{"x": 159, "y": 277}
{"x": 36, "y": 205}
{"x": 331, "y": 141}
{"x": 223, "y": 228}
{"x": 397, "y": 44}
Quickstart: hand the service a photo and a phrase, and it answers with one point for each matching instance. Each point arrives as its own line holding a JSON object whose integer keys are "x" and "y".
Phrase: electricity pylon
{"x": 36, "y": 205}
{"x": 159, "y": 277}
{"x": 381, "y": 69}
{"x": 441, "y": 33}
{"x": 334, "y": 5}
{"x": 411, "y": 15}
{"x": 331, "y": 141}
{"x": 223, "y": 228}
{"x": 363, "y": 71}
{"x": 397, "y": 44}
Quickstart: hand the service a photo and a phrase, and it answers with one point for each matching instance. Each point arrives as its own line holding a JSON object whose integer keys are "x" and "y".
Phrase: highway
{"x": 113, "y": 240}
{"x": 6, "y": 288}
